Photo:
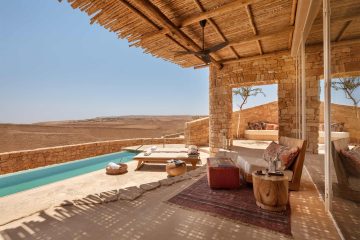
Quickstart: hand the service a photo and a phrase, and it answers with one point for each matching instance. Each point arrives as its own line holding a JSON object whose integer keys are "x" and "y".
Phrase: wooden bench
{"x": 163, "y": 157}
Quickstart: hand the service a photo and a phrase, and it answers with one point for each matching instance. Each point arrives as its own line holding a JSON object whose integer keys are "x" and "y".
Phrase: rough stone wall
{"x": 220, "y": 110}
{"x": 344, "y": 60}
{"x": 197, "y": 132}
{"x": 266, "y": 112}
{"x": 278, "y": 69}
{"x": 268, "y": 70}
{"x": 347, "y": 115}
{"x": 22, "y": 160}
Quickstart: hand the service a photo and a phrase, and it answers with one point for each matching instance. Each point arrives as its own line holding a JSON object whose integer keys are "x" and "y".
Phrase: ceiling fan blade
{"x": 217, "y": 47}
{"x": 206, "y": 58}
{"x": 201, "y": 53}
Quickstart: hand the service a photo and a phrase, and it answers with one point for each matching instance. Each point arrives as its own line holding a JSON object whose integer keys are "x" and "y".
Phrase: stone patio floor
{"x": 147, "y": 217}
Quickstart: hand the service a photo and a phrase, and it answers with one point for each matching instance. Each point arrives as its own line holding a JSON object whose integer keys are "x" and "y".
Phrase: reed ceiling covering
{"x": 165, "y": 27}
{"x": 345, "y": 22}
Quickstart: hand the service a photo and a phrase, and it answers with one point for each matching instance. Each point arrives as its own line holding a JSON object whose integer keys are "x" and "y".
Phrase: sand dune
{"x": 15, "y": 137}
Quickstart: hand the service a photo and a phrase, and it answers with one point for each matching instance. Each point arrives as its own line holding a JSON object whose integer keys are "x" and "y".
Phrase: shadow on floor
{"x": 144, "y": 218}
{"x": 346, "y": 213}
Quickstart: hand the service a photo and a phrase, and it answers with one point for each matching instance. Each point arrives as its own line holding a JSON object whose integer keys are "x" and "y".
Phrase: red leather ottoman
{"x": 222, "y": 173}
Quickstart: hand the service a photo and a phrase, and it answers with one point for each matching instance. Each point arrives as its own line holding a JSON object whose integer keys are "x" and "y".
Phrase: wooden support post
{"x": 327, "y": 103}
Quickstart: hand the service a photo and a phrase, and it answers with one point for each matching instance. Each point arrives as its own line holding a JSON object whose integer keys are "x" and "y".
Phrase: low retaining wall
{"x": 22, "y": 160}
{"x": 197, "y": 132}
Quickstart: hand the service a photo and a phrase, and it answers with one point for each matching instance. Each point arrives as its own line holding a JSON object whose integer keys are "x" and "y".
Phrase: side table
{"x": 271, "y": 192}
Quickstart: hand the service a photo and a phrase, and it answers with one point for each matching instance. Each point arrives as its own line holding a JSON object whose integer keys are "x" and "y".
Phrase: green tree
{"x": 245, "y": 93}
{"x": 349, "y": 85}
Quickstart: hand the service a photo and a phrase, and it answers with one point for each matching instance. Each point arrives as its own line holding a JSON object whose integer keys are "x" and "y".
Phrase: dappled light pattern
{"x": 346, "y": 213}
{"x": 149, "y": 217}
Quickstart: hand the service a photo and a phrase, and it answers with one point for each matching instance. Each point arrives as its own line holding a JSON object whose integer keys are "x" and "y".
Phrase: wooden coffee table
{"x": 271, "y": 192}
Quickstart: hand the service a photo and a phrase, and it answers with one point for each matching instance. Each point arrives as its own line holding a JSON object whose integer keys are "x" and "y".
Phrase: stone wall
{"x": 197, "y": 132}
{"x": 347, "y": 115}
{"x": 220, "y": 110}
{"x": 279, "y": 68}
{"x": 22, "y": 160}
{"x": 344, "y": 60}
{"x": 267, "y": 112}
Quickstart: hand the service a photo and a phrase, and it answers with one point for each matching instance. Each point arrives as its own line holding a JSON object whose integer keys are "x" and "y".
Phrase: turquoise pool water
{"x": 24, "y": 180}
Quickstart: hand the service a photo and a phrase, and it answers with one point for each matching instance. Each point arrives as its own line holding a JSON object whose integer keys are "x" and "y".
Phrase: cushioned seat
{"x": 250, "y": 164}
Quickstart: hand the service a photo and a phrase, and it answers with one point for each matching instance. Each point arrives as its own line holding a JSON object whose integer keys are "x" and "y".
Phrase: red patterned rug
{"x": 233, "y": 204}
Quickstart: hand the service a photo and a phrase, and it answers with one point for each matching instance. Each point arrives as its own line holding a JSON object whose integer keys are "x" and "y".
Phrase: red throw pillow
{"x": 351, "y": 161}
{"x": 287, "y": 154}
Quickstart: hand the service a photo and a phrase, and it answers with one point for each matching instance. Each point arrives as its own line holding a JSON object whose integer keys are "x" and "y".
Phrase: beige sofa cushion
{"x": 250, "y": 164}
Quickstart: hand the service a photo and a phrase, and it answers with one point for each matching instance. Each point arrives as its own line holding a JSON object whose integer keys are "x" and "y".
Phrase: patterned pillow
{"x": 271, "y": 126}
{"x": 287, "y": 154}
{"x": 351, "y": 161}
{"x": 255, "y": 125}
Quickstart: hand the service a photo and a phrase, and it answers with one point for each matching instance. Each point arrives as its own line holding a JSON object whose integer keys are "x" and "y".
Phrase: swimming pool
{"x": 24, "y": 180}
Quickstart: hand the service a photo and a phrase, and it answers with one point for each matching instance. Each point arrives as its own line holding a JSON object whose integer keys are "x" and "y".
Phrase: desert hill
{"x": 15, "y": 137}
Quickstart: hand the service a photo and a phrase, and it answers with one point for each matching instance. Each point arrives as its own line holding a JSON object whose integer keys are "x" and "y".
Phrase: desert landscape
{"x": 14, "y": 137}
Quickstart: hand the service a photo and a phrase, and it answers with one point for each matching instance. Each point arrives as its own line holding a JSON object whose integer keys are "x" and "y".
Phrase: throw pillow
{"x": 287, "y": 155}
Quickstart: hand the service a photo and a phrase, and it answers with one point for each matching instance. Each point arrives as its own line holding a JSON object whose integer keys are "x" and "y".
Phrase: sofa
{"x": 348, "y": 185}
{"x": 249, "y": 164}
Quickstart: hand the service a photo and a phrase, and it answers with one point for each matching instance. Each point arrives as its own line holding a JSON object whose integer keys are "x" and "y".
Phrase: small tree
{"x": 245, "y": 93}
{"x": 349, "y": 86}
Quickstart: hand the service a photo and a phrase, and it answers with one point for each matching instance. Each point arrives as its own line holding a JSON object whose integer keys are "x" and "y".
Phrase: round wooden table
{"x": 271, "y": 192}
{"x": 173, "y": 170}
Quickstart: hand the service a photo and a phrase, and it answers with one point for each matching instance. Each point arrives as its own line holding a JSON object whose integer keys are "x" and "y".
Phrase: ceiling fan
{"x": 204, "y": 54}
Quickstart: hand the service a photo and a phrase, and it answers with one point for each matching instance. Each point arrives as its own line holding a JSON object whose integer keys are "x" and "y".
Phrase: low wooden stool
{"x": 176, "y": 170}
{"x": 271, "y": 192}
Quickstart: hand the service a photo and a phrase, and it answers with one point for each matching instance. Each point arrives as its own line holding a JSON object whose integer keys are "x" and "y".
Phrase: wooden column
{"x": 327, "y": 103}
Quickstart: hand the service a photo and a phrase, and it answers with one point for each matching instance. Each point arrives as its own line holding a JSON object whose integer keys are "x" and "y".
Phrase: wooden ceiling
{"x": 344, "y": 22}
{"x": 163, "y": 27}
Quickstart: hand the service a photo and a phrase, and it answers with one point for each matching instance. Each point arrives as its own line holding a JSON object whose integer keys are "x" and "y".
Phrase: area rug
{"x": 236, "y": 205}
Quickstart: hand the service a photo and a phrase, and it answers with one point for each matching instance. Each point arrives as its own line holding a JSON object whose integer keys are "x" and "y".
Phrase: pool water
{"x": 28, "y": 179}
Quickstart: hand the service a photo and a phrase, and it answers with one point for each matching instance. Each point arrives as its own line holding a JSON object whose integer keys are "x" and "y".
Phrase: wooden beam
{"x": 154, "y": 12}
{"x": 149, "y": 21}
{"x": 292, "y": 21}
{"x": 334, "y": 20}
{"x": 216, "y": 28}
{"x": 200, "y": 16}
{"x": 293, "y": 12}
{"x": 342, "y": 30}
{"x": 252, "y": 25}
{"x": 215, "y": 12}
{"x": 261, "y": 36}
{"x": 306, "y": 13}
{"x": 201, "y": 66}
{"x": 251, "y": 19}
{"x": 259, "y": 47}
{"x": 287, "y": 52}
{"x": 257, "y": 57}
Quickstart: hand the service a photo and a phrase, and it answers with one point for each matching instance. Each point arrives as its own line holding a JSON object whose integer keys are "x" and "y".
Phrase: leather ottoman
{"x": 222, "y": 173}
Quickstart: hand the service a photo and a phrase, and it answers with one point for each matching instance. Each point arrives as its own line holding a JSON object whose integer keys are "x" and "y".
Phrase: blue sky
{"x": 54, "y": 66}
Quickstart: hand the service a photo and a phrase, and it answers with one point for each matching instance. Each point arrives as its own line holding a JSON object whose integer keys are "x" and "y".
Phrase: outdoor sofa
{"x": 249, "y": 164}
{"x": 348, "y": 180}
